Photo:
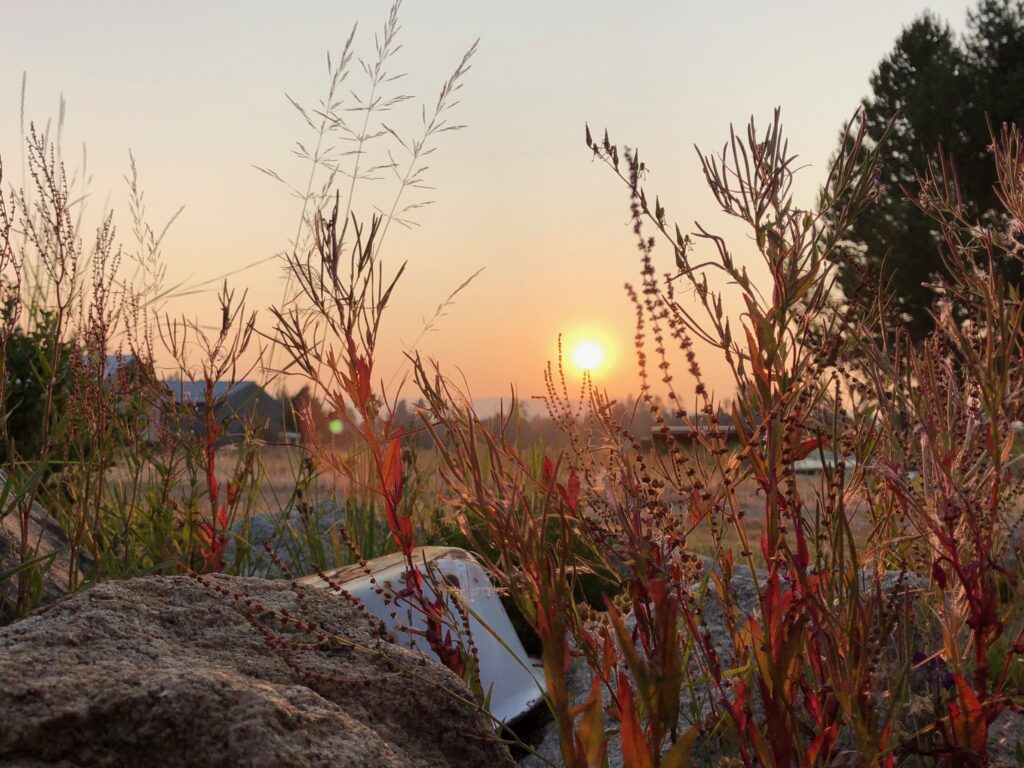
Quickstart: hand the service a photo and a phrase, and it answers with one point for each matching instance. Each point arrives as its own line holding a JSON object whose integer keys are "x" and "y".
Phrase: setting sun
{"x": 587, "y": 355}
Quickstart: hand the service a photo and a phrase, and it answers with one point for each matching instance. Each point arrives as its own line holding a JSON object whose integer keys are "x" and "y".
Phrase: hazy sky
{"x": 196, "y": 91}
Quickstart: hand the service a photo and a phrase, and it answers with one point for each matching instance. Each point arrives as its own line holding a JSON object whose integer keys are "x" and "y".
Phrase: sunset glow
{"x": 587, "y": 356}
{"x": 236, "y": 218}
{"x": 334, "y": 333}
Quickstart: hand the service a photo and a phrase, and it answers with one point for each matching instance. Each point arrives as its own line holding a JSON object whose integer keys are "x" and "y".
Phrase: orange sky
{"x": 196, "y": 91}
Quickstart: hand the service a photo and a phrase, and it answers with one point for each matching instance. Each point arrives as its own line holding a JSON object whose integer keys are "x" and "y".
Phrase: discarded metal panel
{"x": 514, "y": 678}
{"x": 817, "y": 462}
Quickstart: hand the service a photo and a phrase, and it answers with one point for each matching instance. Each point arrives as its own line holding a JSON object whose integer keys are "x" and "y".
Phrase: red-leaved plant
{"x": 820, "y": 665}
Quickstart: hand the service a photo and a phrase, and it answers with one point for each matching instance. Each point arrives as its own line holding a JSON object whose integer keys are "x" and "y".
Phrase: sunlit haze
{"x": 196, "y": 90}
{"x": 587, "y": 356}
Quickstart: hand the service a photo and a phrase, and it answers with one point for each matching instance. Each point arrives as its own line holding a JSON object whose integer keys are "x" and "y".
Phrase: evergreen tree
{"x": 28, "y": 367}
{"x": 937, "y": 90}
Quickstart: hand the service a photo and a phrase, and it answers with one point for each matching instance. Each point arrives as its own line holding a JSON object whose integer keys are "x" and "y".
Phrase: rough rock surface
{"x": 281, "y": 530}
{"x": 45, "y": 538}
{"x": 1006, "y": 740}
{"x": 167, "y": 672}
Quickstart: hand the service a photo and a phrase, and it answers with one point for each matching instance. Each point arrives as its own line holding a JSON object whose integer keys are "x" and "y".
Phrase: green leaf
{"x": 679, "y": 755}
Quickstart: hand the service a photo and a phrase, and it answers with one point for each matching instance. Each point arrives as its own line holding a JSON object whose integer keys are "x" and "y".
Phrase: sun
{"x": 587, "y": 355}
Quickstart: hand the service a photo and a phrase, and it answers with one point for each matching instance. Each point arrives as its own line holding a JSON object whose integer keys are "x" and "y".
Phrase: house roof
{"x": 113, "y": 363}
{"x": 194, "y": 392}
